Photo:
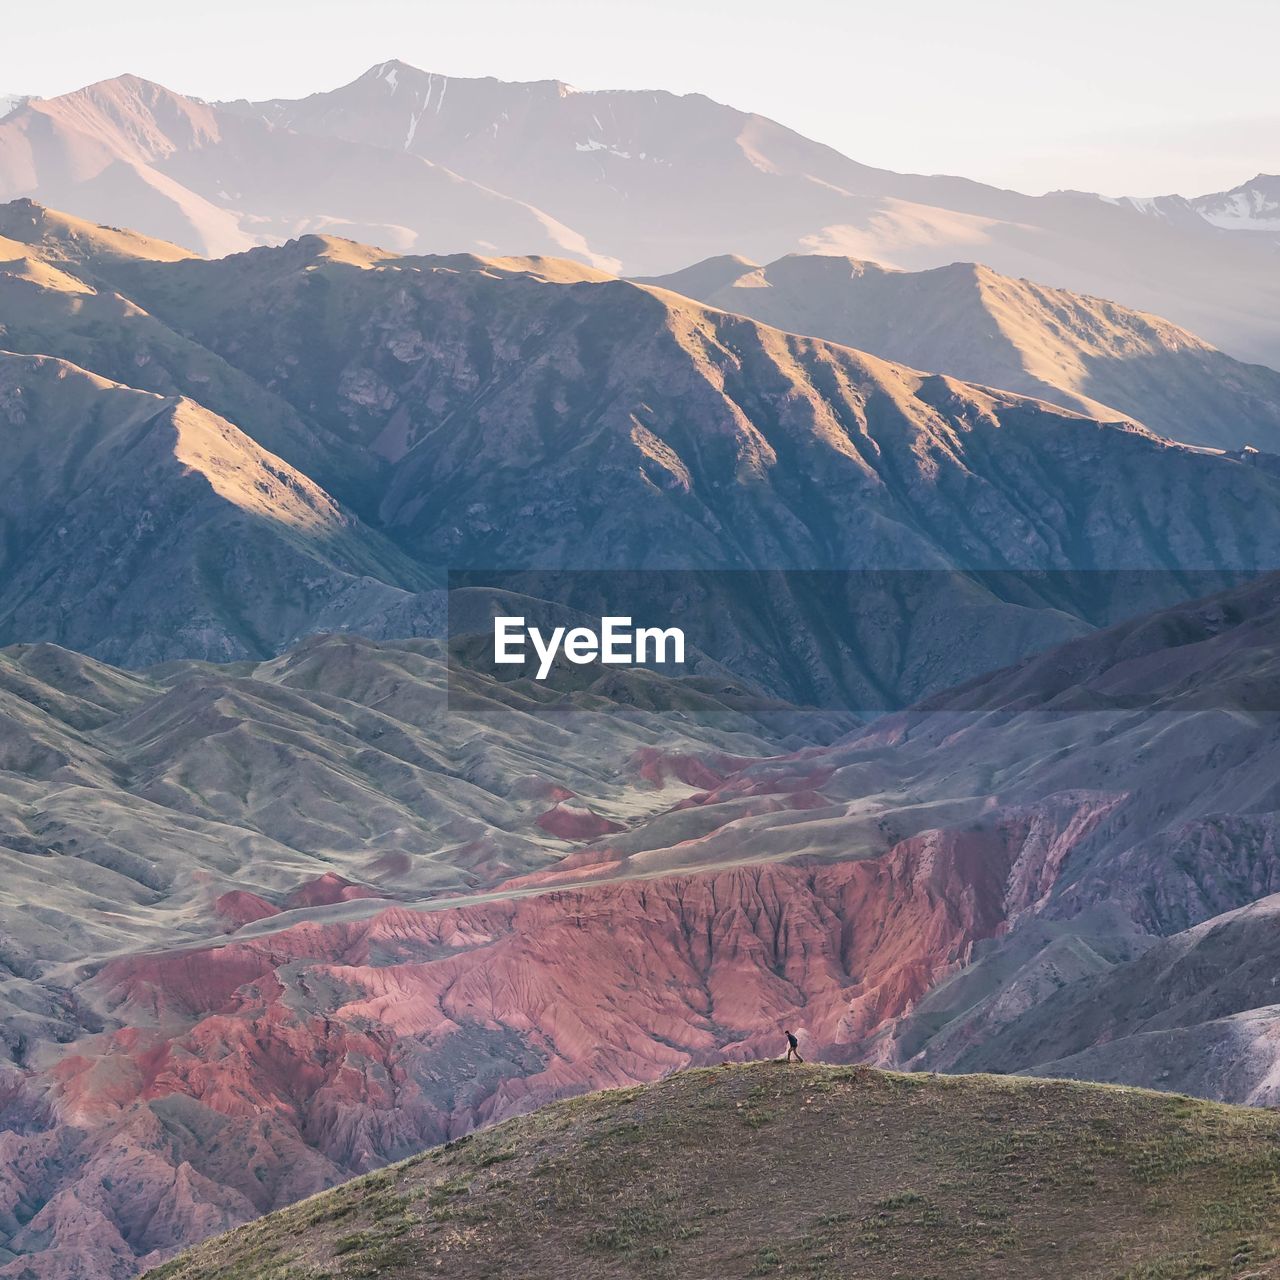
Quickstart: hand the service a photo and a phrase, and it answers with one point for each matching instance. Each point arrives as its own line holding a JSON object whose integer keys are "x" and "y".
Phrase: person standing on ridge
{"x": 793, "y": 1047}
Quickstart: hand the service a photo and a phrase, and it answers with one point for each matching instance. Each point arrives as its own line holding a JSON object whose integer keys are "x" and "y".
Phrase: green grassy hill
{"x": 772, "y": 1170}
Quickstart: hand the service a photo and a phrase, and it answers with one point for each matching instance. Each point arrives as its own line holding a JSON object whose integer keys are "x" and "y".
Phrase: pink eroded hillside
{"x": 328, "y": 889}
{"x": 575, "y": 822}
{"x": 248, "y": 1073}
{"x": 950, "y": 886}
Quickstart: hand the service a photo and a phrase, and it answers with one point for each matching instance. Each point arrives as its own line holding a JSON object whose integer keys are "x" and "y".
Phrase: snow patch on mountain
{"x": 1252, "y": 206}
{"x": 1143, "y": 204}
{"x": 593, "y": 144}
{"x": 1255, "y": 206}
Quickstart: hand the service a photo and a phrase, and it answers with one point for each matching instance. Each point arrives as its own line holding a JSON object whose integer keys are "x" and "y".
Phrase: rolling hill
{"x": 160, "y": 811}
{"x": 802, "y": 1171}
{"x": 148, "y": 808}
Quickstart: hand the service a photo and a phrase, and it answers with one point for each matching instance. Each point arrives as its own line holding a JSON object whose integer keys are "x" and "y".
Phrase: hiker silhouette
{"x": 793, "y": 1047}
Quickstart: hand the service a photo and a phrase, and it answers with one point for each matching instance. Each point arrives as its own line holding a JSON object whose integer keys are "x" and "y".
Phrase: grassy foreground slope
{"x": 766, "y": 1169}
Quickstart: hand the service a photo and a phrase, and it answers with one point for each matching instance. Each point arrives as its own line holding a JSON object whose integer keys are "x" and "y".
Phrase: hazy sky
{"x": 1123, "y": 96}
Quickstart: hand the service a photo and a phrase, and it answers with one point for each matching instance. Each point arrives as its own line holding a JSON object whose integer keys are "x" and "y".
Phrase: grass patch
{"x": 805, "y": 1172}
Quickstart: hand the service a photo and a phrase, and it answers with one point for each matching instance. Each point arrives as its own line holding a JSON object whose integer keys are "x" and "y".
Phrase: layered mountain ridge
{"x": 632, "y": 182}
{"x": 1086, "y": 354}
{"x": 530, "y": 413}
{"x": 281, "y": 906}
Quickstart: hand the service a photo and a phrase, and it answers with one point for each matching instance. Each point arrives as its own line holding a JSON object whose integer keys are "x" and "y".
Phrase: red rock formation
{"x": 239, "y": 907}
{"x": 327, "y": 889}
{"x": 251, "y": 1072}
{"x": 568, "y": 821}
{"x": 706, "y": 771}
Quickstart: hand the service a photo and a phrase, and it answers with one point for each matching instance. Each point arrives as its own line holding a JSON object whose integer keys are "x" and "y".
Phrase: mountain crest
{"x": 397, "y": 75}
{"x": 1084, "y": 353}
{"x": 134, "y": 117}
{"x": 60, "y": 238}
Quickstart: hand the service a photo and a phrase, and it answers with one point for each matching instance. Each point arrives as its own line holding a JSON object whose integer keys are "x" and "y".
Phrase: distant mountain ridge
{"x": 651, "y": 177}
{"x": 1251, "y": 208}
{"x": 1083, "y": 353}
{"x": 473, "y": 412}
{"x": 634, "y": 182}
{"x": 133, "y": 153}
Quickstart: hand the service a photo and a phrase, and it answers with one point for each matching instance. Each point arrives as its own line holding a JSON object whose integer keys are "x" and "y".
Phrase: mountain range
{"x": 363, "y": 419}
{"x": 1085, "y": 354}
{"x": 632, "y": 182}
{"x": 972, "y": 766}
{"x": 1252, "y": 208}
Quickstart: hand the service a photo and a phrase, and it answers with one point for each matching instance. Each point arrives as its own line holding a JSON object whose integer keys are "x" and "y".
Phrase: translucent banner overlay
{"x": 867, "y": 642}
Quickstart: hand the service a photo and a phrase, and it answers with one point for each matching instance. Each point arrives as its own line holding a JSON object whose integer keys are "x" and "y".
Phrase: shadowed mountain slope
{"x": 145, "y": 527}
{"x": 1196, "y": 1012}
{"x": 57, "y": 297}
{"x": 530, "y": 412}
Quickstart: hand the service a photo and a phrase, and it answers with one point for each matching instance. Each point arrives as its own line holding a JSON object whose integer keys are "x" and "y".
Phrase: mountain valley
{"x": 967, "y": 503}
{"x": 910, "y": 893}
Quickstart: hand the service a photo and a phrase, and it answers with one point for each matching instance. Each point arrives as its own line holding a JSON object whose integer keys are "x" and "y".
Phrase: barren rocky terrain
{"x": 965, "y": 319}
{"x": 973, "y": 766}
{"x": 370, "y": 419}
{"x": 391, "y": 941}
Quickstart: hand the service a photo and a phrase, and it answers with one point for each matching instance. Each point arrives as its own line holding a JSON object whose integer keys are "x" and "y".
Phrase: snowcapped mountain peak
{"x": 1252, "y": 206}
